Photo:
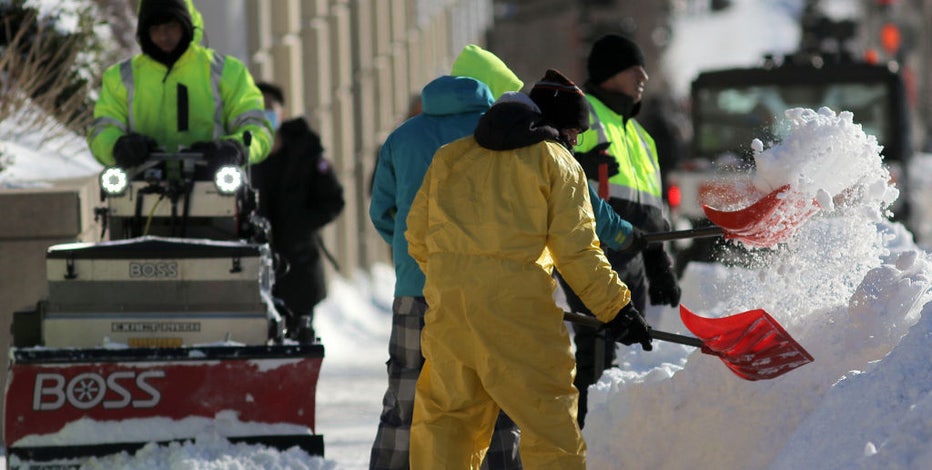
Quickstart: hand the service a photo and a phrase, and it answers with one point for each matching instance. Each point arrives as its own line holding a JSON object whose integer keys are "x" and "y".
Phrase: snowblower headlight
{"x": 114, "y": 181}
{"x": 228, "y": 179}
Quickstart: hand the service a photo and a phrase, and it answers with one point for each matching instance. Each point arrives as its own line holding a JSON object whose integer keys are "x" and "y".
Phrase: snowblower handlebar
{"x": 176, "y": 156}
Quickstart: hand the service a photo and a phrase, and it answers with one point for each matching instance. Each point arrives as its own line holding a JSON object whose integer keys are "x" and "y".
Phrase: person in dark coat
{"x": 299, "y": 194}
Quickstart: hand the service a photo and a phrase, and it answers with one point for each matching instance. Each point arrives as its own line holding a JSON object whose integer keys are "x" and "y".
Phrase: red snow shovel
{"x": 772, "y": 219}
{"x": 752, "y": 344}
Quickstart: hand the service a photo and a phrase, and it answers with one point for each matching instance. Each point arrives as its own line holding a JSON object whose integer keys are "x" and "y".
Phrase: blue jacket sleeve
{"x": 611, "y": 229}
{"x": 382, "y": 208}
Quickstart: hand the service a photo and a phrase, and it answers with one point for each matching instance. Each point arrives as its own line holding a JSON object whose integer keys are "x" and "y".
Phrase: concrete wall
{"x": 33, "y": 220}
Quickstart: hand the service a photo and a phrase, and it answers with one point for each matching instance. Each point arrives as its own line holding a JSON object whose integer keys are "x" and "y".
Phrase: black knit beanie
{"x": 562, "y": 104}
{"x": 611, "y": 54}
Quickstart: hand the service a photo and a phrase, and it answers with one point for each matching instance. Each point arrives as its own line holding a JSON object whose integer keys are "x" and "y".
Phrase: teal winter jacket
{"x": 451, "y": 108}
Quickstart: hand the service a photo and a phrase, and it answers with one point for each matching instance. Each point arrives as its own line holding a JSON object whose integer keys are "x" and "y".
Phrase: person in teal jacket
{"x": 451, "y": 107}
{"x": 177, "y": 93}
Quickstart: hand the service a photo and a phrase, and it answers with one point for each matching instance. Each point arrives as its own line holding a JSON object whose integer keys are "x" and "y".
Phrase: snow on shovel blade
{"x": 752, "y": 344}
{"x": 773, "y": 219}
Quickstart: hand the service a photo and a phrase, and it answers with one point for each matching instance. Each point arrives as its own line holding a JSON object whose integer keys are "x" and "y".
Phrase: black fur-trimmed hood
{"x": 154, "y": 12}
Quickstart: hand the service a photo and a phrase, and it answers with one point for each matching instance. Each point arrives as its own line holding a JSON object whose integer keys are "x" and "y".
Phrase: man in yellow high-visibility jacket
{"x": 177, "y": 93}
{"x": 614, "y": 88}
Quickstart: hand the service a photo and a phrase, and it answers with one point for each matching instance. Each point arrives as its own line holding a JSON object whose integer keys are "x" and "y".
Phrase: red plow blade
{"x": 773, "y": 219}
{"x": 752, "y": 344}
{"x": 254, "y": 394}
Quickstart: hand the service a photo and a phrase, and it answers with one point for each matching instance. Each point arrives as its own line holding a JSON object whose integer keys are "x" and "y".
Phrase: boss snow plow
{"x": 157, "y": 337}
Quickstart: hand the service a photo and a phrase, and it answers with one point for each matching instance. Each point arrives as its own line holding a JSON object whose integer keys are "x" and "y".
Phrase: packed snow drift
{"x": 851, "y": 287}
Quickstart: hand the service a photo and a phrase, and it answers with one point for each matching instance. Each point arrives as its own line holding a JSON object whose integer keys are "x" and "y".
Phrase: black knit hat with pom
{"x": 561, "y": 102}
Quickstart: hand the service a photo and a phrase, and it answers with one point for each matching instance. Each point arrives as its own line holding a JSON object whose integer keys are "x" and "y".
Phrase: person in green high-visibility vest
{"x": 618, "y": 143}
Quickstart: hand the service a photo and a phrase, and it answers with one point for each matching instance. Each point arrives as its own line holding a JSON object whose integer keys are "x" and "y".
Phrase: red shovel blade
{"x": 752, "y": 344}
{"x": 773, "y": 219}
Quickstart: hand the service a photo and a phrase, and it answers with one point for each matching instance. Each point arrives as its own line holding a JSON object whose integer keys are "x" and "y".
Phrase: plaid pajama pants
{"x": 390, "y": 449}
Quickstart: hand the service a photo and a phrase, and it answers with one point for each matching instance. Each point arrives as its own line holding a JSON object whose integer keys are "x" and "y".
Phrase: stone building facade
{"x": 352, "y": 67}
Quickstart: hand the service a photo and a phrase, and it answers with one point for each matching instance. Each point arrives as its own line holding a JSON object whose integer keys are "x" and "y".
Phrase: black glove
{"x": 133, "y": 149}
{"x": 658, "y": 266}
{"x": 634, "y": 242}
{"x": 629, "y": 327}
{"x": 221, "y": 152}
{"x": 591, "y": 159}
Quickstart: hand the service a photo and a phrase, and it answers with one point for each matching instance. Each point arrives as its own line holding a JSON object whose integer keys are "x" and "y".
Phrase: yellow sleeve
{"x": 573, "y": 243}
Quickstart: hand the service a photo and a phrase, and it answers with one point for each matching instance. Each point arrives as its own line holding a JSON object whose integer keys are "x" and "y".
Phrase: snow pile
{"x": 88, "y": 431}
{"x": 358, "y": 328}
{"x": 877, "y": 418}
{"x": 211, "y": 453}
{"x": 848, "y": 287}
{"x": 34, "y": 160}
{"x": 823, "y": 155}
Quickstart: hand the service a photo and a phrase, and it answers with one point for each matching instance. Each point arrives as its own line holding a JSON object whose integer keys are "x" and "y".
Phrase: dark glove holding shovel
{"x": 591, "y": 159}
{"x": 663, "y": 288}
{"x": 629, "y": 327}
{"x": 634, "y": 242}
{"x": 133, "y": 149}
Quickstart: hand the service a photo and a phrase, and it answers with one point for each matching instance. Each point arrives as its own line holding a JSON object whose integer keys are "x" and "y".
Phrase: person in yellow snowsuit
{"x": 177, "y": 93}
{"x": 497, "y": 211}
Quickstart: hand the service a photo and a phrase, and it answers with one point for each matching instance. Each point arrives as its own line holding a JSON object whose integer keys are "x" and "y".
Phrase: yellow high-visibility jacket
{"x": 636, "y": 192}
{"x": 204, "y": 96}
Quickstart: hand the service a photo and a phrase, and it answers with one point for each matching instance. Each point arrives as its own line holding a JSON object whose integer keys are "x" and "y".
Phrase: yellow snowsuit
{"x": 487, "y": 228}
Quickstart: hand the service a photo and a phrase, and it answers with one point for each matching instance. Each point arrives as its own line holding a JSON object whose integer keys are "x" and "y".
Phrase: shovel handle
{"x": 702, "y": 232}
{"x": 603, "y": 181}
{"x": 593, "y": 322}
{"x": 675, "y": 338}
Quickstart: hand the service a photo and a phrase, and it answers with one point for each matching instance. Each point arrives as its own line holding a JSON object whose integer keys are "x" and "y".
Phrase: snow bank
{"x": 33, "y": 159}
{"x": 848, "y": 287}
